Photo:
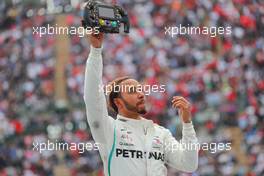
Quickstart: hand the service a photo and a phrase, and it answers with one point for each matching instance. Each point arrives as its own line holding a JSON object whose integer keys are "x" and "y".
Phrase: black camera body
{"x": 108, "y": 18}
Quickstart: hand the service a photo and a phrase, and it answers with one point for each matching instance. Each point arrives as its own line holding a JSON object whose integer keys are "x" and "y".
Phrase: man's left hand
{"x": 184, "y": 108}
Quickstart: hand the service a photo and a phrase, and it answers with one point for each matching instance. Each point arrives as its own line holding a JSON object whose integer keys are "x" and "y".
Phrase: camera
{"x": 108, "y": 18}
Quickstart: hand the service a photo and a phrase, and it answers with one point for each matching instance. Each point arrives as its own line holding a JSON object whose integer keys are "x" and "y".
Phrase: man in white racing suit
{"x": 131, "y": 145}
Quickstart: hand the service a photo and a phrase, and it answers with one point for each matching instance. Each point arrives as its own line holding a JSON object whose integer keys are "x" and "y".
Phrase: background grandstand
{"x": 41, "y": 81}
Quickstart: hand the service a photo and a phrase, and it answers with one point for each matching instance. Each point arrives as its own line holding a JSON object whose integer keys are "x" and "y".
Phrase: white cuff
{"x": 188, "y": 129}
{"x": 95, "y": 51}
{"x": 187, "y": 125}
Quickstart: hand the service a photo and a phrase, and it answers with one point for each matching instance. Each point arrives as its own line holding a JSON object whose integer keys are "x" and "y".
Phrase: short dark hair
{"x": 115, "y": 94}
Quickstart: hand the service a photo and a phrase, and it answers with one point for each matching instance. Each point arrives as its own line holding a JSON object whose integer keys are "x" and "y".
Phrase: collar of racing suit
{"x": 137, "y": 123}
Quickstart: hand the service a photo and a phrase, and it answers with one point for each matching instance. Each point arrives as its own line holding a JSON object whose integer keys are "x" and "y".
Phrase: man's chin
{"x": 142, "y": 111}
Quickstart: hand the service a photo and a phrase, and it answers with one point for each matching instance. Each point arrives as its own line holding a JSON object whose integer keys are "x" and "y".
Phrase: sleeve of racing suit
{"x": 182, "y": 156}
{"x": 96, "y": 108}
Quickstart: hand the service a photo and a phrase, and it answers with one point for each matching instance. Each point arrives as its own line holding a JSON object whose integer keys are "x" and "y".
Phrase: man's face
{"x": 132, "y": 96}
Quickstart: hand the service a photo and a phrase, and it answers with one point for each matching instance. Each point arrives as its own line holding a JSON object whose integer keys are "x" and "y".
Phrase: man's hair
{"x": 113, "y": 93}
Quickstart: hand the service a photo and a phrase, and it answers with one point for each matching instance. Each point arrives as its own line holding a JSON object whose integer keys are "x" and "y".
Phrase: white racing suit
{"x": 130, "y": 147}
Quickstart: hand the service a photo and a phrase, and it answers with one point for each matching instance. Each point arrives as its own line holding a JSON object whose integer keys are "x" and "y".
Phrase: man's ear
{"x": 118, "y": 103}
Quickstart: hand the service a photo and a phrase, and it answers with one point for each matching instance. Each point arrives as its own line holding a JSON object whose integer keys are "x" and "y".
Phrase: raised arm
{"x": 96, "y": 109}
{"x": 183, "y": 156}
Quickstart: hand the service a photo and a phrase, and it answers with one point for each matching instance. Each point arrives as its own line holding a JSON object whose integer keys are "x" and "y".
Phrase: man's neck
{"x": 131, "y": 115}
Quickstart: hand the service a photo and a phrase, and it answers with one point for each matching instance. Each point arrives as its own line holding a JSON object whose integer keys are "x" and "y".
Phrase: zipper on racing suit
{"x": 145, "y": 146}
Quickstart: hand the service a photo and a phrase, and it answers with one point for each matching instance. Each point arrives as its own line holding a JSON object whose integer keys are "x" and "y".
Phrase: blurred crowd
{"x": 222, "y": 76}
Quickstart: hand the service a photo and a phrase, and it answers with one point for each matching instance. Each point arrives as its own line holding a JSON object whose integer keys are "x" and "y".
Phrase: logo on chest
{"x": 157, "y": 143}
{"x": 125, "y": 153}
{"x": 126, "y": 138}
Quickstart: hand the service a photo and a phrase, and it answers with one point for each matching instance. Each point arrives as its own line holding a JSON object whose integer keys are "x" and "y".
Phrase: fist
{"x": 96, "y": 40}
{"x": 184, "y": 108}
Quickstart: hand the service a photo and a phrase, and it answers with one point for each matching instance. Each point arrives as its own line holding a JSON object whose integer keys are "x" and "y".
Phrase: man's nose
{"x": 140, "y": 95}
